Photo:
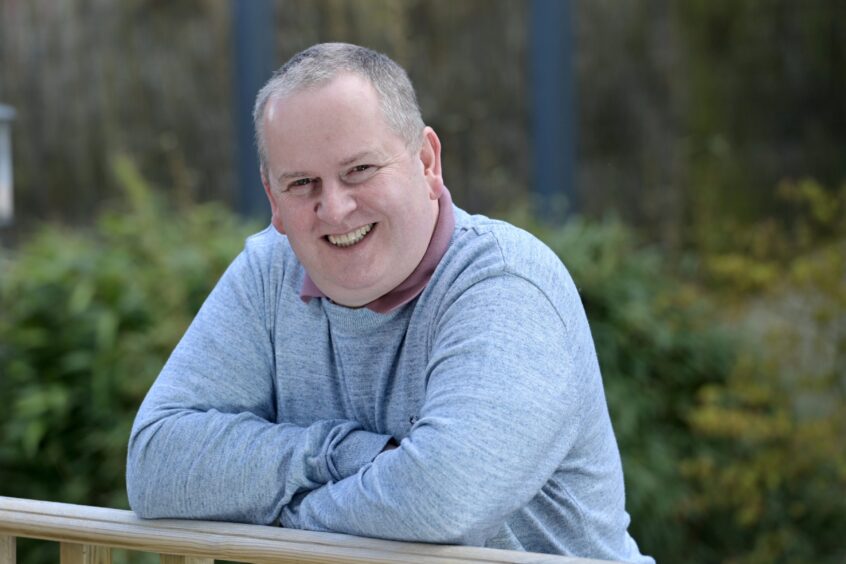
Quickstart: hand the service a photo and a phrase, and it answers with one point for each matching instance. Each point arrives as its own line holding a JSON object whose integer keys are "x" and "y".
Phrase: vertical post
{"x": 253, "y": 56}
{"x": 72, "y": 553}
{"x": 553, "y": 107}
{"x": 7, "y": 209}
{"x": 8, "y": 550}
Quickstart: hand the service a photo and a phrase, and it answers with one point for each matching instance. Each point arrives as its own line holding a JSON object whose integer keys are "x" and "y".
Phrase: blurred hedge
{"x": 770, "y": 465}
{"x": 88, "y": 318}
{"x": 732, "y": 449}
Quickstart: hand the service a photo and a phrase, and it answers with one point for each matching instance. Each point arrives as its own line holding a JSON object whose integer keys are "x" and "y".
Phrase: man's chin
{"x": 361, "y": 289}
{"x": 353, "y": 297}
{"x": 351, "y": 303}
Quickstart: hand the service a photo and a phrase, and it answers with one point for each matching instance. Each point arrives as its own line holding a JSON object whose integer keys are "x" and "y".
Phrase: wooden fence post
{"x": 7, "y": 549}
{"x": 172, "y": 559}
{"x": 73, "y": 553}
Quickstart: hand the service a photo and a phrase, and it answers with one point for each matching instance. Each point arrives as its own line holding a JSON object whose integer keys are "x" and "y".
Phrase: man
{"x": 379, "y": 362}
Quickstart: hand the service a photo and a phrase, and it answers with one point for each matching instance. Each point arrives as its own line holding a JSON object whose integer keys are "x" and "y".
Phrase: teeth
{"x": 350, "y": 238}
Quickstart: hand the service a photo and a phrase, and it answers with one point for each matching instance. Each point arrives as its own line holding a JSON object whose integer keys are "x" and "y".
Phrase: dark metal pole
{"x": 253, "y": 57}
{"x": 7, "y": 207}
{"x": 553, "y": 108}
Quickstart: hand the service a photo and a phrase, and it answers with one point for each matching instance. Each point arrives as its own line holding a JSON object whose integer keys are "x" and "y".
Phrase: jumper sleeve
{"x": 500, "y": 414}
{"x": 205, "y": 443}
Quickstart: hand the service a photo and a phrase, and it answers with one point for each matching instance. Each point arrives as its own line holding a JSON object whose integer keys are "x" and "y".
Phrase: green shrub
{"x": 770, "y": 470}
{"x": 87, "y": 319}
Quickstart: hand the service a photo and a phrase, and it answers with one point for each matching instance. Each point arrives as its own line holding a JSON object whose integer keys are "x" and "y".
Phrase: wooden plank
{"x": 231, "y": 541}
{"x": 71, "y": 553}
{"x": 8, "y": 551}
{"x": 97, "y": 554}
{"x": 75, "y": 553}
{"x": 175, "y": 559}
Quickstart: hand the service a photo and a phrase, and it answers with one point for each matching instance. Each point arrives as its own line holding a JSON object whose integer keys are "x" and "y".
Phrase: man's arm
{"x": 505, "y": 387}
{"x": 205, "y": 444}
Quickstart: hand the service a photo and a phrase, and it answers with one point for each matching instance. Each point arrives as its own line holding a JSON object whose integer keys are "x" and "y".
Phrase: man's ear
{"x": 430, "y": 157}
{"x": 276, "y": 219}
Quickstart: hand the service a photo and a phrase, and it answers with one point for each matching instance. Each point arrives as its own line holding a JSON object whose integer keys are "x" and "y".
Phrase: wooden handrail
{"x": 87, "y": 534}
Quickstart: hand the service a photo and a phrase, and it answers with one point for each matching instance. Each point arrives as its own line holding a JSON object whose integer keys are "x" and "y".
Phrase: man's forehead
{"x": 345, "y": 84}
{"x": 351, "y": 105}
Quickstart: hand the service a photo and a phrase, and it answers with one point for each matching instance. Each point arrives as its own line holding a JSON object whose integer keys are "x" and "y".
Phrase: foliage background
{"x": 709, "y": 251}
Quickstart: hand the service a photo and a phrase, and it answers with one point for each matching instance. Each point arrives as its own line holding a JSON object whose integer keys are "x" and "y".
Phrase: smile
{"x": 351, "y": 238}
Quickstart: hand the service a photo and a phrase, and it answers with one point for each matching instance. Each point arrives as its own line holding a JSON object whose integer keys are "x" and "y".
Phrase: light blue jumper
{"x": 275, "y": 411}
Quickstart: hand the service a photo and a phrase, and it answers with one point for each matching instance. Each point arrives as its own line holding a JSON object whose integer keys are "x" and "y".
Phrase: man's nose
{"x": 336, "y": 202}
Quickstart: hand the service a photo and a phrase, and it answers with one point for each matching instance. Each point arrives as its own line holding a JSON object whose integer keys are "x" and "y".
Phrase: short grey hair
{"x": 321, "y": 63}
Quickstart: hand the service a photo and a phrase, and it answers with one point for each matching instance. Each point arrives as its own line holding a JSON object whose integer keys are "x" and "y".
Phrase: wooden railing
{"x": 87, "y": 535}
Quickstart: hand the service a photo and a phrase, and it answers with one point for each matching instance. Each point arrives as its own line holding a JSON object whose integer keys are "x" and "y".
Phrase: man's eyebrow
{"x": 289, "y": 175}
{"x": 359, "y": 156}
{"x": 368, "y": 154}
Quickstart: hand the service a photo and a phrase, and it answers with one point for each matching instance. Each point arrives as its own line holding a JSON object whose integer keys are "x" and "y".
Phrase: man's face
{"x": 357, "y": 205}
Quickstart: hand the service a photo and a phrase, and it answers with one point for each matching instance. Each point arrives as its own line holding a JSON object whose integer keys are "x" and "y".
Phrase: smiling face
{"x": 358, "y": 206}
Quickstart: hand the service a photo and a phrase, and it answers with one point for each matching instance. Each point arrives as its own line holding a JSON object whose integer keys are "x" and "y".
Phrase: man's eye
{"x": 359, "y": 173}
{"x": 300, "y": 184}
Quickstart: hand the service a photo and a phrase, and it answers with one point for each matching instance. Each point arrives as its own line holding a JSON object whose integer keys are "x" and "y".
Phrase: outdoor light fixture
{"x": 7, "y": 114}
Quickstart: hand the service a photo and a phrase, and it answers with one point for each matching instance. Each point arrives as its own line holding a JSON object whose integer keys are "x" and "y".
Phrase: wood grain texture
{"x": 75, "y": 553}
{"x": 174, "y": 559}
{"x": 8, "y": 546}
{"x": 231, "y": 541}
